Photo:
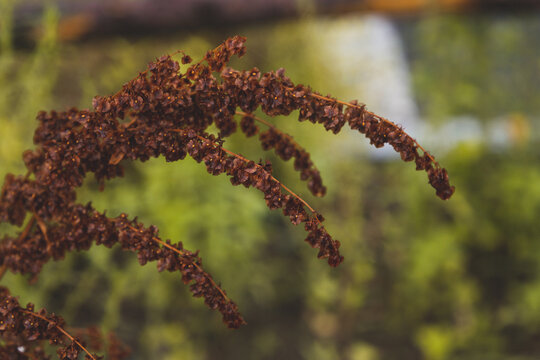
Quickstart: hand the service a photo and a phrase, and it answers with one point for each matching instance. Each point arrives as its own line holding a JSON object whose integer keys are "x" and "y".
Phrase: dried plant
{"x": 165, "y": 112}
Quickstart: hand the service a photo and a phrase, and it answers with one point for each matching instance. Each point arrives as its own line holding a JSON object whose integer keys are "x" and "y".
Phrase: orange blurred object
{"x": 398, "y": 6}
{"x": 74, "y": 27}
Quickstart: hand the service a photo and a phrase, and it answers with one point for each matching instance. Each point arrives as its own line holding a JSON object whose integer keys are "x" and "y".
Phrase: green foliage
{"x": 481, "y": 66}
{"x": 26, "y": 85}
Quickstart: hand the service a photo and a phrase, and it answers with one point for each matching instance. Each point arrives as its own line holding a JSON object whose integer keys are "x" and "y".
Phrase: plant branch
{"x": 61, "y": 330}
{"x": 376, "y": 116}
{"x": 180, "y": 252}
{"x": 273, "y": 178}
{"x": 259, "y": 166}
{"x": 3, "y": 270}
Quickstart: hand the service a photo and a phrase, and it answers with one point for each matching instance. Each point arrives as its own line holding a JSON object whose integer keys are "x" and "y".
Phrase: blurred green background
{"x": 422, "y": 278}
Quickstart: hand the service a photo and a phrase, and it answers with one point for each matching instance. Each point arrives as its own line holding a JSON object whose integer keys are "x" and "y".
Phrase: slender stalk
{"x": 247, "y": 160}
{"x": 3, "y": 270}
{"x": 61, "y": 330}
{"x": 262, "y": 121}
{"x": 43, "y": 227}
{"x": 272, "y": 126}
{"x": 180, "y": 252}
{"x": 273, "y": 178}
{"x": 27, "y": 228}
{"x": 279, "y": 182}
{"x": 276, "y": 180}
{"x": 378, "y": 117}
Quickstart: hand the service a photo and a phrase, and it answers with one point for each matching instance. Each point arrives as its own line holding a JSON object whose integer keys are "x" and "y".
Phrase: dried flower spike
{"x": 169, "y": 113}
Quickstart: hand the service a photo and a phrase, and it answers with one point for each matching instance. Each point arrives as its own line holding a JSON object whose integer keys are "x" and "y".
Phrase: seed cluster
{"x": 166, "y": 112}
{"x": 25, "y": 333}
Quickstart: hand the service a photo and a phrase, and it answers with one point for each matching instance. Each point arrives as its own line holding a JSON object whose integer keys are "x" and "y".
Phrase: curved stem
{"x": 61, "y": 330}
{"x": 262, "y": 121}
{"x": 3, "y": 270}
{"x": 272, "y": 126}
{"x": 377, "y": 116}
{"x": 43, "y": 227}
{"x": 180, "y": 252}
{"x": 273, "y": 178}
{"x": 279, "y": 182}
{"x": 196, "y": 265}
{"x": 27, "y": 228}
